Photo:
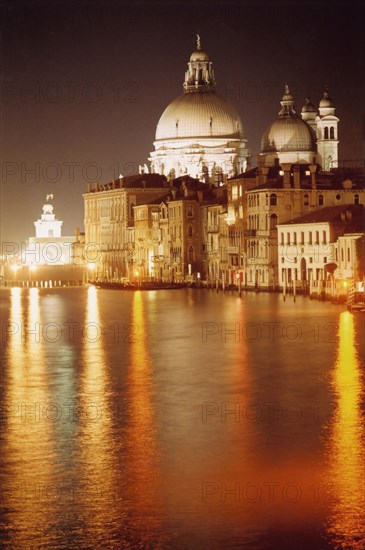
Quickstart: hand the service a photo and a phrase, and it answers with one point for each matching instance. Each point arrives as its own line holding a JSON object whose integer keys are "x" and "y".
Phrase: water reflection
{"x": 346, "y": 525}
{"x": 28, "y": 437}
{"x": 143, "y": 457}
{"x": 95, "y": 490}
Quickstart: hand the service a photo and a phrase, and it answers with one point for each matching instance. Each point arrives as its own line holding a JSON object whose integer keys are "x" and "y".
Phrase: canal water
{"x": 180, "y": 419}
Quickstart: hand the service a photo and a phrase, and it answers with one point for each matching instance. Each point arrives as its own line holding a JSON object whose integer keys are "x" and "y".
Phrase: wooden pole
{"x": 284, "y": 285}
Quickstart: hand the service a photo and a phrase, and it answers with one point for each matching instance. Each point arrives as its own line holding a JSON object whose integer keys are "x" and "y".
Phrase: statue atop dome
{"x": 198, "y": 45}
{"x": 48, "y": 208}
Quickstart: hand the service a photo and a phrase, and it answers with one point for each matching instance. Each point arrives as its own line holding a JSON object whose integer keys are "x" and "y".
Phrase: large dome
{"x": 290, "y": 134}
{"x": 197, "y": 115}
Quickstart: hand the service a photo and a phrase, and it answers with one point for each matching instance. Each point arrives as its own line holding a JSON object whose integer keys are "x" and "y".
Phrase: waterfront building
{"x": 317, "y": 245}
{"x": 214, "y": 245}
{"x": 109, "y": 222}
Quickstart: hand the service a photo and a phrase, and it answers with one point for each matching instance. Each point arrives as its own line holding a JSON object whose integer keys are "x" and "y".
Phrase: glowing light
{"x": 91, "y": 265}
{"x": 346, "y": 449}
{"x": 15, "y": 268}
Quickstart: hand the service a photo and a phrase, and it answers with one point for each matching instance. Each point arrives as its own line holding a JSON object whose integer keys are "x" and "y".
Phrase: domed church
{"x": 199, "y": 133}
{"x": 309, "y": 139}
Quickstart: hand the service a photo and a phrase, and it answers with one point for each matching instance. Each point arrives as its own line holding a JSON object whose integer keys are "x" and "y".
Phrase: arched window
{"x": 326, "y": 133}
{"x": 306, "y": 200}
{"x": 132, "y": 209}
{"x": 190, "y": 230}
{"x": 273, "y": 221}
{"x": 332, "y": 133}
{"x": 356, "y": 199}
{"x": 320, "y": 200}
{"x": 267, "y": 199}
{"x": 273, "y": 199}
{"x": 190, "y": 254}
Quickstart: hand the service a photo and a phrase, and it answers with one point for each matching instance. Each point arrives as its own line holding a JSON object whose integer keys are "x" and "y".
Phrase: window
{"x": 310, "y": 237}
{"x": 324, "y": 237}
{"x": 356, "y": 199}
{"x": 325, "y": 259}
{"x": 320, "y": 200}
{"x": 302, "y": 237}
{"x": 234, "y": 192}
{"x": 326, "y": 133}
{"x": 310, "y": 260}
{"x": 282, "y": 239}
{"x": 50, "y": 233}
{"x": 294, "y": 238}
{"x": 348, "y": 254}
{"x": 342, "y": 255}
{"x": 332, "y": 133}
{"x": 288, "y": 238}
{"x": 273, "y": 221}
{"x": 317, "y": 237}
{"x": 191, "y": 254}
{"x": 273, "y": 199}
{"x": 189, "y": 212}
{"x": 306, "y": 200}
{"x": 190, "y": 230}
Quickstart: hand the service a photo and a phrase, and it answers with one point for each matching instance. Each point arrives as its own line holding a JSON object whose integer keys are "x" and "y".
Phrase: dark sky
{"x": 103, "y": 72}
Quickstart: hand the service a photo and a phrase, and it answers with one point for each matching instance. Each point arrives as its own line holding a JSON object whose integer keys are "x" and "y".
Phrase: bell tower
{"x": 327, "y": 134}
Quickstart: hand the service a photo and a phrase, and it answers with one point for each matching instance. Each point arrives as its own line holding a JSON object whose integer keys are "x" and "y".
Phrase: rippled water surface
{"x": 180, "y": 419}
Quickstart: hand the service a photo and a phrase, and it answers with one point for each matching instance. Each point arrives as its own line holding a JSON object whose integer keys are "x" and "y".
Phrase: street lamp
{"x": 238, "y": 277}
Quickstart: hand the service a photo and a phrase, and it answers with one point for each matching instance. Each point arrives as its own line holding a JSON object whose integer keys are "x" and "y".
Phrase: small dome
{"x": 288, "y": 134}
{"x": 308, "y": 107}
{"x": 198, "y": 115}
{"x": 326, "y": 101}
{"x": 199, "y": 55}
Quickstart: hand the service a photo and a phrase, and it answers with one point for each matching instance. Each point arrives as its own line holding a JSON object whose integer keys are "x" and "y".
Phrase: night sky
{"x": 103, "y": 72}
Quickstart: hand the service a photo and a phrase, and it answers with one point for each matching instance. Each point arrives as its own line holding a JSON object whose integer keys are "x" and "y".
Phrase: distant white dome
{"x": 288, "y": 134}
{"x": 197, "y": 115}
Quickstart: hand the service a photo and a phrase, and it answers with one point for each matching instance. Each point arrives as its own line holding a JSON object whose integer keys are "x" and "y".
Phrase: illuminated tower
{"x": 47, "y": 225}
{"x": 327, "y": 134}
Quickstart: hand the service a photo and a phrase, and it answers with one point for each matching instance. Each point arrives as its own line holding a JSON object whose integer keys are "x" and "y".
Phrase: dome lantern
{"x": 200, "y": 75}
{"x": 287, "y": 103}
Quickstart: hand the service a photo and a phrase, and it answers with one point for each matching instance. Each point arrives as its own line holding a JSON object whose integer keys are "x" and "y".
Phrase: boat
{"x": 145, "y": 285}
